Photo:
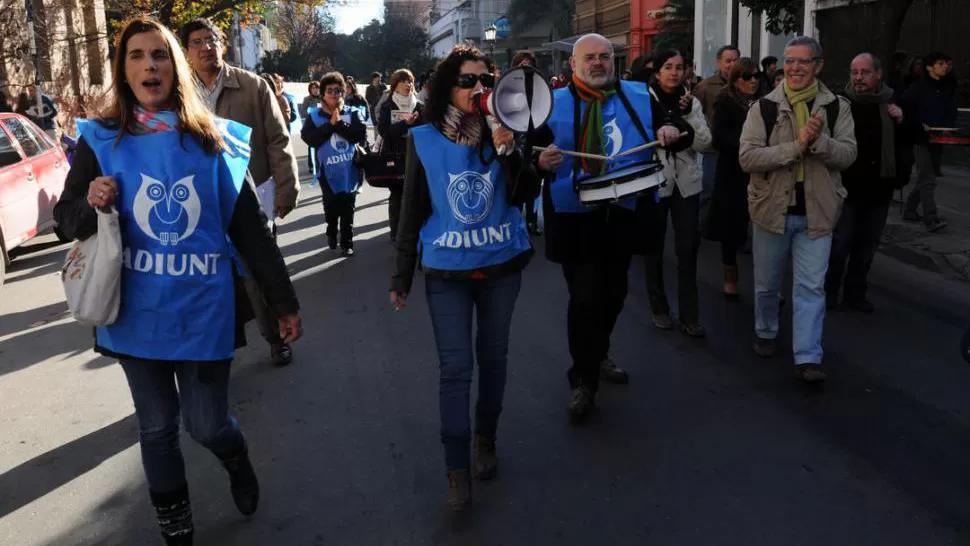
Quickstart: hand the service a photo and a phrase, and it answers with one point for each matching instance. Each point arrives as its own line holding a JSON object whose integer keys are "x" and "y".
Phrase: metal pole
{"x": 35, "y": 56}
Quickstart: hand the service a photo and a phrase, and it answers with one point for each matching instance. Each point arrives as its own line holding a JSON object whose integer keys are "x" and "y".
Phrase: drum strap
{"x": 577, "y": 122}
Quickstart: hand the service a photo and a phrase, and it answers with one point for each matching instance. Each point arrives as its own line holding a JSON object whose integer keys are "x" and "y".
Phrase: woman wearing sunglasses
{"x": 679, "y": 198}
{"x": 332, "y": 131}
{"x": 461, "y": 217}
{"x": 727, "y": 220}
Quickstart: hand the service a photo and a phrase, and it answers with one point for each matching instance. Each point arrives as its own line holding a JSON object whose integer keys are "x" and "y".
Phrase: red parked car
{"x": 33, "y": 169}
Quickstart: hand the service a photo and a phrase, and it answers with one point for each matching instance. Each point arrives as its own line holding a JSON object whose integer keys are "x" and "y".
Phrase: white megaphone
{"x": 521, "y": 101}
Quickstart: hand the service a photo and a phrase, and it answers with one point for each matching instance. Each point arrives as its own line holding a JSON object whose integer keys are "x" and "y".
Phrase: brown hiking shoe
{"x": 765, "y": 348}
{"x": 810, "y": 373}
{"x": 459, "y": 490}
{"x": 486, "y": 462}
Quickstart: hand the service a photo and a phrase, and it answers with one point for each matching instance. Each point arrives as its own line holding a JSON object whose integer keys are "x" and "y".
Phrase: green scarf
{"x": 799, "y": 102}
{"x": 591, "y": 132}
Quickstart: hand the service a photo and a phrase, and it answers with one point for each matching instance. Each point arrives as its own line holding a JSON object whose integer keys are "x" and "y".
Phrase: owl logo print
{"x": 470, "y": 196}
{"x": 168, "y": 214}
{"x": 339, "y": 143}
{"x": 612, "y": 138}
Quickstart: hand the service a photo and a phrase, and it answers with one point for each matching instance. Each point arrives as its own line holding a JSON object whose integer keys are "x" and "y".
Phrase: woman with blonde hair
{"x": 177, "y": 178}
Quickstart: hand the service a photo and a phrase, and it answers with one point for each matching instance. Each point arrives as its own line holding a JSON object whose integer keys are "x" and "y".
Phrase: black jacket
{"x": 727, "y": 217}
{"x": 932, "y": 102}
{"x": 607, "y": 232}
{"x": 862, "y": 180}
{"x": 354, "y": 132}
{"x": 248, "y": 232}
{"x": 416, "y": 209}
{"x": 394, "y": 135}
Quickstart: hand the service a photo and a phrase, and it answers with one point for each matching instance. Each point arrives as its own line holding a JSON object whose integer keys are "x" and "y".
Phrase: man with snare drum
{"x": 594, "y": 237}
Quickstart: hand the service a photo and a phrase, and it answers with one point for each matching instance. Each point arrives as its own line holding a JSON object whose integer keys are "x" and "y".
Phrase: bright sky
{"x": 357, "y": 13}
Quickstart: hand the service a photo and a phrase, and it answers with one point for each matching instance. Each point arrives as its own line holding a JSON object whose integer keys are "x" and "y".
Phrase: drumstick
{"x": 577, "y": 154}
{"x": 603, "y": 157}
{"x": 646, "y": 146}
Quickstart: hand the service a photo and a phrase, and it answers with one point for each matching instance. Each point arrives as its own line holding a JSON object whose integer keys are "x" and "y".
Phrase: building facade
{"x": 72, "y": 49}
{"x": 713, "y": 28}
{"x": 611, "y": 18}
{"x": 254, "y": 41}
{"x": 646, "y": 22}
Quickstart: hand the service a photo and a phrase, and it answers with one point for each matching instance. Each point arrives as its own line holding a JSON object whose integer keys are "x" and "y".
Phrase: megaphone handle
{"x": 495, "y": 125}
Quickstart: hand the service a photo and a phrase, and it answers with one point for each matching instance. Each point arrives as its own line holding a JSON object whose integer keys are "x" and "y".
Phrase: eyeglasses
{"x": 467, "y": 81}
{"x": 749, "y": 76}
{"x": 197, "y": 43}
{"x": 791, "y": 61}
{"x": 335, "y": 91}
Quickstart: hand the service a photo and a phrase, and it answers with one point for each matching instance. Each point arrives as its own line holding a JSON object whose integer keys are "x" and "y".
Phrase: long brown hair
{"x": 194, "y": 117}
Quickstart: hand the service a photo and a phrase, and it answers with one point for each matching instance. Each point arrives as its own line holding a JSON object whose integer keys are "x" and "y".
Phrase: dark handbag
{"x": 382, "y": 169}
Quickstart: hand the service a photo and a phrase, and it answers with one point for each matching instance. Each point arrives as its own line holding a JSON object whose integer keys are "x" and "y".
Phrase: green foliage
{"x": 383, "y": 47}
{"x": 781, "y": 16}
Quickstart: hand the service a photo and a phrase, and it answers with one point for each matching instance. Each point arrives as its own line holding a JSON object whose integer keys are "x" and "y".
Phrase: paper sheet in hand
{"x": 266, "y": 192}
{"x": 399, "y": 115}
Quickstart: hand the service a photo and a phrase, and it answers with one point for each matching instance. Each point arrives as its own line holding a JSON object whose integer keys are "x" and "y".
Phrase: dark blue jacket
{"x": 932, "y": 102}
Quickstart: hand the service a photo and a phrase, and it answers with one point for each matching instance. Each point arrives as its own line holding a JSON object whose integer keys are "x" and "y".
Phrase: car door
{"x": 40, "y": 163}
{"x": 50, "y": 168}
{"x": 18, "y": 194}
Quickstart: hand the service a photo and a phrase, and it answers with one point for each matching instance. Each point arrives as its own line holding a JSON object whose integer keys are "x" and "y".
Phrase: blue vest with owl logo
{"x": 619, "y": 134}
{"x": 336, "y": 155}
{"x": 175, "y": 204}
{"x": 471, "y": 224}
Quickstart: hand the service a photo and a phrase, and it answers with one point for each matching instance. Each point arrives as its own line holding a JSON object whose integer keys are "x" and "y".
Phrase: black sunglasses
{"x": 749, "y": 76}
{"x": 467, "y": 81}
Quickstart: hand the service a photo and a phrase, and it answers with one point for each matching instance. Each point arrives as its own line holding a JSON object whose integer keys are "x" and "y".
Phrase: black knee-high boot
{"x": 174, "y": 515}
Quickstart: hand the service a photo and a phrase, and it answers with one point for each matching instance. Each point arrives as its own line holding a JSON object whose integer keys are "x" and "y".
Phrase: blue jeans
{"x": 202, "y": 400}
{"x": 453, "y": 304}
{"x": 810, "y": 258}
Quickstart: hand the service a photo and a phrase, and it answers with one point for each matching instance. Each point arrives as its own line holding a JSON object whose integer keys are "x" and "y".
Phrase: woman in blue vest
{"x": 461, "y": 219}
{"x": 332, "y": 131}
{"x": 177, "y": 178}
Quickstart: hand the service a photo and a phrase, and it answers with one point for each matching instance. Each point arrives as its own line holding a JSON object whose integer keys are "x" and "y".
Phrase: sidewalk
{"x": 946, "y": 252}
{"x": 930, "y": 272}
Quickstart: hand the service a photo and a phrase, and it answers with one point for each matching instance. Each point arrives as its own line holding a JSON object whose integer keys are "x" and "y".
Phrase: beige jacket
{"x": 246, "y": 98}
{"x": 772, "y": 165}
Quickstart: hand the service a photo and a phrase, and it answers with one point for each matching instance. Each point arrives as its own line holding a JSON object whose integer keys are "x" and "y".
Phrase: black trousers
{"x": 338, "y": 208}
{"x": 394, "y": 209}
{"x": 597, "y": 290}
{"x": 684, "y": 211}
{"x": 855, "y": 241}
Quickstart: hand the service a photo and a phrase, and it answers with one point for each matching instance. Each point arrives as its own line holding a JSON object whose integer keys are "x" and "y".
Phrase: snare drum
{"x": 951, "y": 136}
{"x": 630, "y": 182}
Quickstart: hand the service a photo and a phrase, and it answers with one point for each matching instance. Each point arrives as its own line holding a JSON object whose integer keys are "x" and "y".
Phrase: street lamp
{"x": 490, "y": 32}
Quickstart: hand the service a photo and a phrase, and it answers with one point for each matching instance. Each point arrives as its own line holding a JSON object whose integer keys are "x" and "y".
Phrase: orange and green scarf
{"x": 591, "y": 132}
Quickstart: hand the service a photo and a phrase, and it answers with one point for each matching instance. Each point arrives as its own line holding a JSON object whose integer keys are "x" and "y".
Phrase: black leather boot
{"x": 242, "y": 482}
{"x": 174, "y": 515}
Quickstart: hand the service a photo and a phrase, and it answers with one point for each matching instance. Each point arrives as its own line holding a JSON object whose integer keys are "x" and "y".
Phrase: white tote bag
{"x": 92, "y": 274}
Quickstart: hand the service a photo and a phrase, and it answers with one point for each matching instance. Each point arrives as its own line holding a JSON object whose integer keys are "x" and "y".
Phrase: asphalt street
{"x": 707, "y": 445}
